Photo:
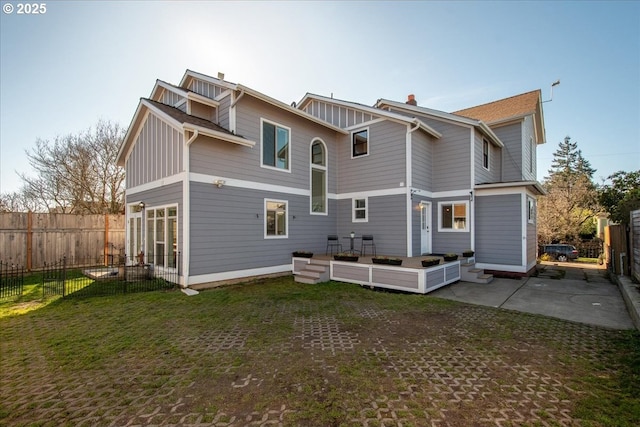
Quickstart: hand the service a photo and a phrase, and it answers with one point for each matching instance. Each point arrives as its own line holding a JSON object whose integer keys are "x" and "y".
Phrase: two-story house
{"x": 224, "y": 182}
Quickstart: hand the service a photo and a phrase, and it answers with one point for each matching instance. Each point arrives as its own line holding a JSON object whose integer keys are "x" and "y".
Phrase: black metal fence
{"x": 78, "y": 278}
{"x": 11, "y": 279}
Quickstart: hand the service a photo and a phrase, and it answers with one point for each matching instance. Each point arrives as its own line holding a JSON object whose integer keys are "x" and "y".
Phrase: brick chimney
{"x": 411, "y": 100}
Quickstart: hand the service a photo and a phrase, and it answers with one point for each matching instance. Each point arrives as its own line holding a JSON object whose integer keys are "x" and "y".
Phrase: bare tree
{"x": 75, "y": 173}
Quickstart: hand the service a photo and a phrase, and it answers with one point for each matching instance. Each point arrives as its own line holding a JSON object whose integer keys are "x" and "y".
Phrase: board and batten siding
{"x": 171, "y": 98}
{"x": 156, "y": 154}
{"x": 338, "y": 115}
{"x": 223, "y": 111}
{"x": 170, "y": 194}
{"x": 511, "y": 137}
{"x": 207, "y": 89}
{"x": 421, "y": 161}
{"x": 228, "y": 225}
{"x": 246, "y": 163}
{"x": 387, "y": 223}
{"x": 385, "y": 165}
{"x": 499, "y": 229}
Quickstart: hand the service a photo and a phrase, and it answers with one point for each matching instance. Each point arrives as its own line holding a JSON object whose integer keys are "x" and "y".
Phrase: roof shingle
{"x": 496, "y": 111}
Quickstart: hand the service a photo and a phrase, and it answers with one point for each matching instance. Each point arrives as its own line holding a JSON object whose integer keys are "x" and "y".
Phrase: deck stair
{"x": 317, "y": 271}
{"x": 469, "y": 272}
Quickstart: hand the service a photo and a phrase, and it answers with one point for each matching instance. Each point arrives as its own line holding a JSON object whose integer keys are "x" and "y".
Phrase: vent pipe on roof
{"x": 411, "y": 100}
{"x": 220, "y": 76}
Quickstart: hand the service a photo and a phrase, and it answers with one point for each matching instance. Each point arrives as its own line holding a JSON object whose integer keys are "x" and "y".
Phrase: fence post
{"x": 106, "y": 239}
{"x": 64, "y": 276}
{"x": 29, "y": 240}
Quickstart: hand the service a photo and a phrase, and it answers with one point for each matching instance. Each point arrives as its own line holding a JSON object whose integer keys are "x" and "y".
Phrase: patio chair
{"x": 333, "y": 241}
{"x": 367, "y": 240}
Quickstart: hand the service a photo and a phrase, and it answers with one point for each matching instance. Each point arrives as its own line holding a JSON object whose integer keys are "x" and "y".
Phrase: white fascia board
{"x": 374, "y": 111}
{"x": 166, "y": 86}
{"x": 371, "y": 193}
{"x": 250, "y": 185}
{"x": 202, "y": 99}
{"x": 179, "y": 177}
{"x": 194, "y": 74}
{"x": 489, "y": 133}
{"x": 120, "y": 159}
{"x": 508, "y": 187}
{"x": 161, "y": 114}
{"x": 289, "y": 108}
{"x": 218, "y": 135}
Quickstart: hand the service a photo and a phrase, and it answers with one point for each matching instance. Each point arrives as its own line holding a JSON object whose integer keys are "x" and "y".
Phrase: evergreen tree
{"x": 621, "y": 196}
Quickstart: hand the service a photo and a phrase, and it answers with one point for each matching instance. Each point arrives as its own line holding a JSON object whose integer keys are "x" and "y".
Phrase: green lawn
{"x": 330, "y": 354}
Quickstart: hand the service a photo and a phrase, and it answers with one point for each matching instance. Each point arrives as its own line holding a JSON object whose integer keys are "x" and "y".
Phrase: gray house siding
{"x": 482, "y": 175}
{"x": 384, "y": 166}
{"x": 387, "y": 223}
{"x": 161, "y": 196}
{"x": 227, "y": 229}
{"x": 529, "y": 149}
{"x": 206, "y": 89}
{"x": 248, "y": 167}
{"x": 337, "y": 115}
{"x": 448, "y": 241}
{"x": 532, "y": 238}
{"x": 223, "y": 112}
{"x": 156, "y": 154}
{"x": 171, "y": 98}
{"x": 511, "y": 137}
{"x": 499, "y": 229}
{"x": 421, "y": 161}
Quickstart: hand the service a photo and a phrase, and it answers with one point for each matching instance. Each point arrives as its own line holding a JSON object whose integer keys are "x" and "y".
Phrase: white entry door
{"x": 425, "y": 228}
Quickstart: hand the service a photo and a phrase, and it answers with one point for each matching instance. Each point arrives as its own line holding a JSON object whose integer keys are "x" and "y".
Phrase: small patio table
{"x": 351, "y": 249}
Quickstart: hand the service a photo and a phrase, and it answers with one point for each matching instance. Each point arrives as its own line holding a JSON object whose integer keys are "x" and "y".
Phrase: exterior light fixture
{"x": 471, "y": 196}
{"x": 352, "y": 234}
{"x": 219, "y": 183}
{"x": 141, "y": 205}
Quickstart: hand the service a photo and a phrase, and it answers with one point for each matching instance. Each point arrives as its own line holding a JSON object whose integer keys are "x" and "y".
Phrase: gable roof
{"x": 178, "y": 119}
{"x": 486, "y": 130}
{"x": 189, "y": 75}
{"x": 508, "y": 109}
{"x": 371, "y": 110}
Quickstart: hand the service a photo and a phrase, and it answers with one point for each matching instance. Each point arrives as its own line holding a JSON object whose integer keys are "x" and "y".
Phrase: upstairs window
{"x": 485, "y": 153}
{"x": 318, "y": 178}
{"x": 360, "y": 143}
{"x": 453, "y": 216}
{"x": 275, "y": 146}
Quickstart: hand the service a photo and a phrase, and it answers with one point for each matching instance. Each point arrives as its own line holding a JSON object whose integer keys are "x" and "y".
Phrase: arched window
{"x": 318, "y": 177}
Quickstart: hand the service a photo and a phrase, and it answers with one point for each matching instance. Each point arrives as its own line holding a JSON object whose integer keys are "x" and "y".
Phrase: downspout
{"x": 186, "y": 212}
{"x": 409, "y": 183}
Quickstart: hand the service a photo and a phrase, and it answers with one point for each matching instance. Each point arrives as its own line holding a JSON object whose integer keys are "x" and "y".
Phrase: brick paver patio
{"x": 435, "y": 364}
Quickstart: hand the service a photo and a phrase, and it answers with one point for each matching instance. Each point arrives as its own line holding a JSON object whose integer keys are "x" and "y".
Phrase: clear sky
{"x": 80, "y": 61}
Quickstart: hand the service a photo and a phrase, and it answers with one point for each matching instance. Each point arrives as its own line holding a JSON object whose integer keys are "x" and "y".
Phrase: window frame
{"x": 486, "y": 156}
{"x": 353, "y": 134}
{"x": 354, "y": 209}
{"x": 320, "y": 168}
{"x": 531, "y": 210}
{"x": 453, "y": 203}
{"x": 286, "y": 219}
{"x": 150, "y": 238}
{"x": 262, "y": 142}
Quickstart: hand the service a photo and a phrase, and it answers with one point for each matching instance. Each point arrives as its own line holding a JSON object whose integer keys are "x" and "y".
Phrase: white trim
{"x": 358, "y": 130}
{"x": 442, "y": 194}
{"x": 223, "y": 136}
{"x": 466, "y": 229}
{"x": 366, "y": 209}
{"x": 250, "y": 185}
{"x": 238, "y": 274}
{"x": 286, "y": 219}
{"x": 362, "y": 125}
{"x": 289, "y": 159}
{"x": 534, "y": 205}
{"x": 193, "y": 96}
{"x": 524, "y": 223}
{"x": 372, "y": 193}
{"x": 488, "y": 166}
{"x": 157, "y": 183}
{"x": 325, "y": 169}
{"x": 186, "y": 212}
{"x": 471, "y": 205}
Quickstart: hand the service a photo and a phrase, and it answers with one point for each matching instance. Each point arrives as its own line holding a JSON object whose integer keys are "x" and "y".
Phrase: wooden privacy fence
{"x": 615, "y": 242}
{"x": 635, "y": 243}
{"x": 31, "y": 239}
